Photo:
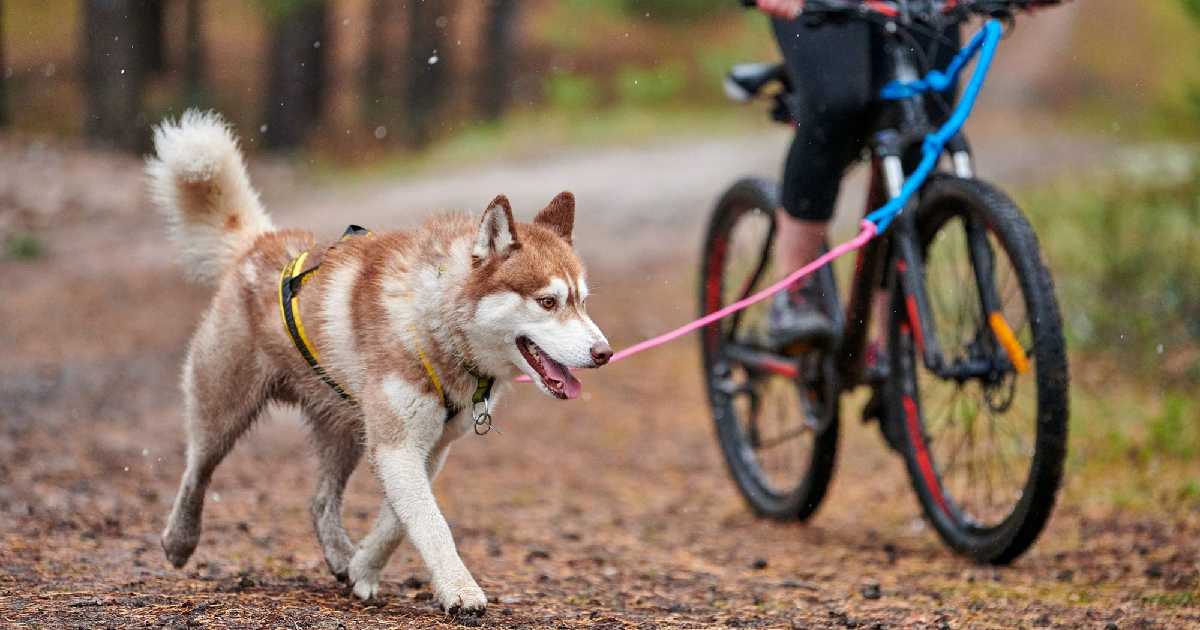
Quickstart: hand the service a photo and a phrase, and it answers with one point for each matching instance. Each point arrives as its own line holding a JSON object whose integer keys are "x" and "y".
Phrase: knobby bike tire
{"x": 944, "y": 198}
{"x": 743, "y": 197}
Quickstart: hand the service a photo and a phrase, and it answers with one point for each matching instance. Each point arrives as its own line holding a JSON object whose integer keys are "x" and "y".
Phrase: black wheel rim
{"x": 771, "y": 419}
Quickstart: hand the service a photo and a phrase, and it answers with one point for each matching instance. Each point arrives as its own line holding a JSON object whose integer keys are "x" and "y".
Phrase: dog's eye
{"x": 547, "y": 303}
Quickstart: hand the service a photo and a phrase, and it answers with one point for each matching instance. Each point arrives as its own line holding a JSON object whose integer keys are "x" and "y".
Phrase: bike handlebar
{"x": 892, "y": 9}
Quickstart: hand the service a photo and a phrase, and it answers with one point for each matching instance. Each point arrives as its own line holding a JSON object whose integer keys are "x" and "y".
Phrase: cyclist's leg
{"x": 830, "y": 68}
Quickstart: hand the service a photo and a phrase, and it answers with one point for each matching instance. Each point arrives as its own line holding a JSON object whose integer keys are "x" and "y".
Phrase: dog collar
{"x": 481, "y": 417}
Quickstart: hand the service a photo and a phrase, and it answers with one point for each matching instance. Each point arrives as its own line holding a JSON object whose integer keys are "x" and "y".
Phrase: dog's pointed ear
{"x": 559, "y": 215}
{"x": 497, "y": 232}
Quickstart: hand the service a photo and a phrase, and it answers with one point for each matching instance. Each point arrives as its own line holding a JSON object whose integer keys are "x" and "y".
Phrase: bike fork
{"x": 909, "y": 266}
{"x": 909, "y": 274}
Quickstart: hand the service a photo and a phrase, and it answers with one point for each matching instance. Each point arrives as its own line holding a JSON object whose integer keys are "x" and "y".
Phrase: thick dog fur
{"x": 502, "y": 297}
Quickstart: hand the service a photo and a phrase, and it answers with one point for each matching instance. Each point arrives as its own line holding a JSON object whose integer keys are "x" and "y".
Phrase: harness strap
{"x": 289, "y": 309}
{"x": 437, "y": 382}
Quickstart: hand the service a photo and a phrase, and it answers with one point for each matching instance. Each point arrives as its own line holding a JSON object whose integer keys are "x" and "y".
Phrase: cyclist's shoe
{"x": 795, "y": 321}
{"x": 876, "y": 409}
{"x": 876, "y": 374}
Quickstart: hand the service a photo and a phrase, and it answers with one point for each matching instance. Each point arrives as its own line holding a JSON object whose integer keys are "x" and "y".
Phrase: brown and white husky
{"x": 412, "y": 327}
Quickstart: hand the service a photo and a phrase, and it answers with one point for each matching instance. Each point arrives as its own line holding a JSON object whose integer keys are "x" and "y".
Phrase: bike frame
{"x": 895, "y": 259}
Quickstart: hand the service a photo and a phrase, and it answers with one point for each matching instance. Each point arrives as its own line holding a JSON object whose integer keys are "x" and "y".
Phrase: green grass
{"x": 1125, "y": 251}
{"x": 23, "y": 246}
{"x": 1178, "y": 599}
{"x": 644, "y": 87}
{"x": 1123, "y": 248}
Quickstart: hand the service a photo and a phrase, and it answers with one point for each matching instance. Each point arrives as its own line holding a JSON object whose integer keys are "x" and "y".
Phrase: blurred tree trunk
{"x": 428, "y": 70}
{"x": 494, "y": 83}
{"x": 113, "y": 73}
{"x": 152, "y": 36}
{"x": 296, "y": 85}
{"x": 193, "y": 56}
{"x": 3, "y": 73}
{"x": 375, "y": 60}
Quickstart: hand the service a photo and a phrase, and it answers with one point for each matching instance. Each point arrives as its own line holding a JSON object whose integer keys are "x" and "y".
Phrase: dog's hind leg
{"x": 339, "y": 451}
{"x": 377, "y": 548}
{"x": 220, "y": 403}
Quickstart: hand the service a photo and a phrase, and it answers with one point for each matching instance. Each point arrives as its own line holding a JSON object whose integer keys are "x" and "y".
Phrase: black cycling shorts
{"x": 836, "y": 72}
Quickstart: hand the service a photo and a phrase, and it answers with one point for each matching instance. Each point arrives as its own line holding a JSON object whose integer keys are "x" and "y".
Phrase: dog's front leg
{"x": 402, "y": 469}
{"x": 407, "y": 434}
{"x": 375, "y": 550}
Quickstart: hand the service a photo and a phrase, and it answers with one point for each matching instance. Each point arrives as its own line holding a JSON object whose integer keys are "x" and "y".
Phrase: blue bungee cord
{"x": 984, "y": 44}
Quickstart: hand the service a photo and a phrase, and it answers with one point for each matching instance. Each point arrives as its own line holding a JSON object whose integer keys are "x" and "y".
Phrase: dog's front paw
{"x": 364, "y": 578}
{"x": 366, "y": 589}
{"x": 462, "y": 599}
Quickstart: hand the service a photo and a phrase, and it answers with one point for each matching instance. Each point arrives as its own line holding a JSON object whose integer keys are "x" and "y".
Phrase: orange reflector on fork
{"x": 1008, "y": 340}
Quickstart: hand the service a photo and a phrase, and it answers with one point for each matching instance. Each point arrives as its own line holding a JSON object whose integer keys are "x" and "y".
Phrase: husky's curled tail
{"x": 199, "y": 182}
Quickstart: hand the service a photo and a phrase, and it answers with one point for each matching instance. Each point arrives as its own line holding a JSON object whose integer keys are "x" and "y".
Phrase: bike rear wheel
{"x": 778, "y": 424}
{"x": 985, "y": 439}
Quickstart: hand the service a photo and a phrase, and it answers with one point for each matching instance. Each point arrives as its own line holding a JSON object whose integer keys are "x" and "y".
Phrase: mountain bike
{"x": 972, "y": 387}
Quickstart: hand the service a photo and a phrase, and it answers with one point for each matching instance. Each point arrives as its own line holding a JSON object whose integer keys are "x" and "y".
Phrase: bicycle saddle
{"x": 746, "y": 80}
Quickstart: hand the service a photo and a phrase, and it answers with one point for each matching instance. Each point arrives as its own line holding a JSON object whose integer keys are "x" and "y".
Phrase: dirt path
{"x": 612, "y": 511}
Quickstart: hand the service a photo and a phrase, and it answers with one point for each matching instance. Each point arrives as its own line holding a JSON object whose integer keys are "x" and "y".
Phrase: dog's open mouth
{"x": 556, "y": 377}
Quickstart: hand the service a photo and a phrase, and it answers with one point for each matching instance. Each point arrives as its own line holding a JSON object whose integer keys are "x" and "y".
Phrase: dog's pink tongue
{"x": 570, "y": 385}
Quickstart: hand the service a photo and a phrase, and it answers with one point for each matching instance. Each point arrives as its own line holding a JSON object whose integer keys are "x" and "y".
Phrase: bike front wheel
{"x": 776, "y": 415}
{"x": 985, "y": 433}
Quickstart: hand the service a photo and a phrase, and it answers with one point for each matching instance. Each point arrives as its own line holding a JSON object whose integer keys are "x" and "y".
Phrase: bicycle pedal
{"x": 873, "y": 410}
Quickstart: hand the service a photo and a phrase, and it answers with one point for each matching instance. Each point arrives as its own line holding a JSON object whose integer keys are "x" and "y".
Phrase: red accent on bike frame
{"x": 889, "y": 9}
{"x": 923, "y": 462}
{"x": 712, "y": 287}
{"x": 910, "y": 303}
{"x": 913, "y": 316}
{"x": 885, "y": 8}
{"x": 782, "y": 368}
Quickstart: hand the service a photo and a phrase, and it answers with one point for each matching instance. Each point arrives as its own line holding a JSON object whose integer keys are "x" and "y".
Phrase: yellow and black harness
{"x": 293, "y": 279}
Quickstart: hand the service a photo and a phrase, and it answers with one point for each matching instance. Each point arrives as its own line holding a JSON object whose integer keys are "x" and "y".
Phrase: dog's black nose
{"x": 601, "y": 353}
